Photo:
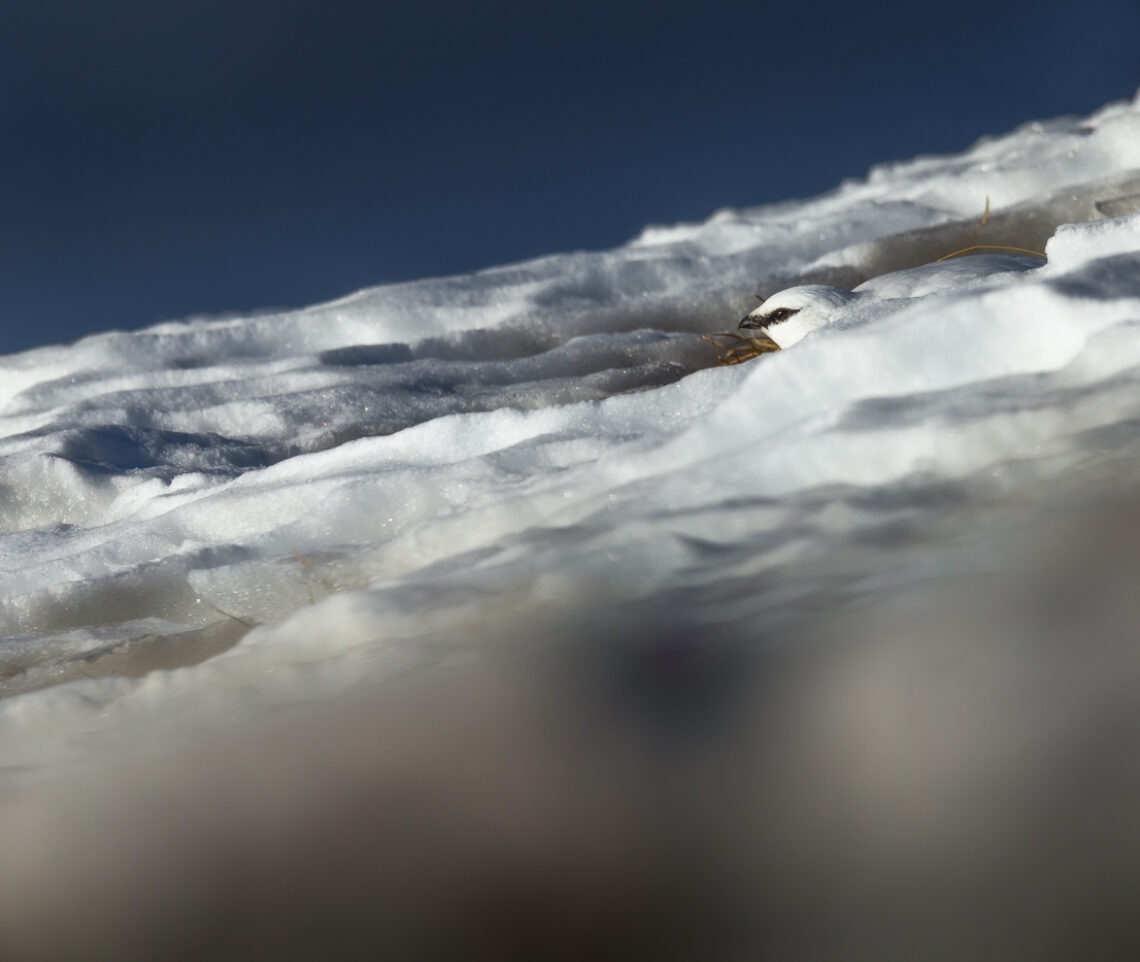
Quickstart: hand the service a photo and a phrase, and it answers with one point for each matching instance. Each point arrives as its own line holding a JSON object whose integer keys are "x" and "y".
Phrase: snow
{"x": 211, "y": 521}
{"x": 211, "y": 473}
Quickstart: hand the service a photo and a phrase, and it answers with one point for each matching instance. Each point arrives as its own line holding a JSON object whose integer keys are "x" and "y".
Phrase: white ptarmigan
{"x": 792, "y": 314}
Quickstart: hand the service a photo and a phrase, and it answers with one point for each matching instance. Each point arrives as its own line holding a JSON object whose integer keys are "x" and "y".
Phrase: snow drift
{"x": 538, "y": 473}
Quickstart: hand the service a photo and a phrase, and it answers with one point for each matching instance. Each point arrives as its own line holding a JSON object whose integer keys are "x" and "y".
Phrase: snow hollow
{"x": 494, "y": 611}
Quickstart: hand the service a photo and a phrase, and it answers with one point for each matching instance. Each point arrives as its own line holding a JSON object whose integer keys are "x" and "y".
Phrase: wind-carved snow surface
{"x": 208, "y": 519}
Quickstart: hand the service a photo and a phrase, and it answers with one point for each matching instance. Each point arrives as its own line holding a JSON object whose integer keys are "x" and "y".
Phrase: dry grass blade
{"x": 990, "y": 247}
{"x": 985, "y": 220}
{"x": 744, "y": 349}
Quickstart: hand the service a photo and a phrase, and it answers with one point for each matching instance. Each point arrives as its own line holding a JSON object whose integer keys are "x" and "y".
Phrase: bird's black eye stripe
{"x": 780, "y": 314}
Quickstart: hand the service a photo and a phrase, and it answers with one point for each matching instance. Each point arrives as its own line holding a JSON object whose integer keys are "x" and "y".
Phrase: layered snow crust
{"x": 210, "y": 516}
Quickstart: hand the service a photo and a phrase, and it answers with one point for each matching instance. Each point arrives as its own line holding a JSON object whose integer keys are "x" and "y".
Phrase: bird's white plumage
{"x": 790, "y": 315}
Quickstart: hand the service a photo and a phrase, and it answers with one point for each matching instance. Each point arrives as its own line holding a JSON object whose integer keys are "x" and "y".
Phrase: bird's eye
{"x": 780, "y": 314}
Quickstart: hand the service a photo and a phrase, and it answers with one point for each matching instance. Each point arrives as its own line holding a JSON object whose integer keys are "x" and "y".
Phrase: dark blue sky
{"x": 166, "y": 157}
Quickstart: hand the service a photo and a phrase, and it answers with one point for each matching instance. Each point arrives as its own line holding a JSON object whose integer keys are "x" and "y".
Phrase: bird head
{"x": 792, "y": 314}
